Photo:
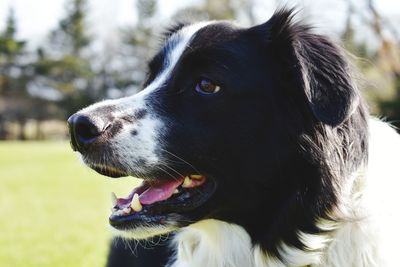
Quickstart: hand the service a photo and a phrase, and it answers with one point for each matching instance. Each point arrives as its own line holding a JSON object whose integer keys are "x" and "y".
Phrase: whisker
{"x": 166, "y": 172}
{"x": 172, "y": 169}
{"x": 181, "y": 159}
{"x": 130, "y": 248}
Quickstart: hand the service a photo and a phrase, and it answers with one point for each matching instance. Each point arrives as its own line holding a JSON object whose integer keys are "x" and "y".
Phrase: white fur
{"x": 221, "y": 244}
{"x": 370, "y": 241}
{"x": 213, "y": 243}
{"x": 373, "y": 239}
{"x": 185, "y": 35}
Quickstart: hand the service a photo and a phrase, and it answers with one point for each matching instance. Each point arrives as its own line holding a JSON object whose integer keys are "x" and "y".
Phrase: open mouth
{"x": 153, "y": 201}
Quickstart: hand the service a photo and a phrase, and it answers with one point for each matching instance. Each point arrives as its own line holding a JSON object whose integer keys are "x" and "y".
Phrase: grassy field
{"x": 54, "y": 211}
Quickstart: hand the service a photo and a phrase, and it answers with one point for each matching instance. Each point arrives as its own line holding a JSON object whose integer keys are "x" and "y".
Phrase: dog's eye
{"x": 207, "y": 87}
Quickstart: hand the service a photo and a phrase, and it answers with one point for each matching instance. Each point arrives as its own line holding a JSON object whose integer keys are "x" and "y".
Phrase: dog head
{"x": 255, "y": 126}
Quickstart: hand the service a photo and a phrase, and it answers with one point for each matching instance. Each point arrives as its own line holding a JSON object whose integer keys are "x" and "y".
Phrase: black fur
{"x": 328, "y": 87}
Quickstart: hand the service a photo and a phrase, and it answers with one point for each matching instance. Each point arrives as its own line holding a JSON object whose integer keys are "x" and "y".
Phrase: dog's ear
{"x": 313, "y": 62}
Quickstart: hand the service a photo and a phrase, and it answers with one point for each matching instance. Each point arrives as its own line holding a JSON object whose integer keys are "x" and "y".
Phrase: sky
{"x": 37, "y": 17}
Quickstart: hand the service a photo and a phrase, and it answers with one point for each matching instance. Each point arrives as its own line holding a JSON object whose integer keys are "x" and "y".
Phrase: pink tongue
{"x": 159, "y": 192}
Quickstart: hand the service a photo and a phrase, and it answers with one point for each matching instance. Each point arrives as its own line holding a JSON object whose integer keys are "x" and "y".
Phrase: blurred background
{"x": 57, "y": 56}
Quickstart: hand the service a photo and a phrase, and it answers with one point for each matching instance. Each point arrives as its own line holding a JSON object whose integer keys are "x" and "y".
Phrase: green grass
{"x": 54, "y": 210}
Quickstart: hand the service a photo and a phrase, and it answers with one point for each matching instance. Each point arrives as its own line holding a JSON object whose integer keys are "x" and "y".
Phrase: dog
{"x": 255, "y": 148}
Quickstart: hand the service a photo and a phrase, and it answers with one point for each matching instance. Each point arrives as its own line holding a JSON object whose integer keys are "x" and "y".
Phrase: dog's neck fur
{"x": 213, "y": 243}
{"x": 220, "y": 244}
{"x": 216, "y": 243}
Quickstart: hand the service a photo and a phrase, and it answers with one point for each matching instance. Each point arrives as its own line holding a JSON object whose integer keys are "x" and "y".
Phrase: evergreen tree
{"x": 11, "y": 50}
{"x": 66, "y": 65}
{"x": 138, "y": 45}
{"x": 357, "y": 48}
{"x": 13, "y": 79}
{"x": 71, "y": 36}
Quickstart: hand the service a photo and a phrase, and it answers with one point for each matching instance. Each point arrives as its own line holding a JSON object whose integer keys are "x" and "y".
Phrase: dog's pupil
{"x": 207, "y": 86}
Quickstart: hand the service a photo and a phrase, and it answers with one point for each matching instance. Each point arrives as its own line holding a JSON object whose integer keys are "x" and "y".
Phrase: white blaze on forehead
{"x": 182, "y": 39}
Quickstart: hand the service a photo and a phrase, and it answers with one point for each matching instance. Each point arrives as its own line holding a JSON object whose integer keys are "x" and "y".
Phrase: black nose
{"x": 83, "y": 132}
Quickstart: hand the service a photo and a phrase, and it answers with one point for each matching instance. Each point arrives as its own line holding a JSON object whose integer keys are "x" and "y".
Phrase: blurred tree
{"x": 218, "y": 10}
{"x": 11, "y": 49}
{"x": 9, "y": 45}
{"x": 388, "y": 57}
{"x": 348, "y": 37}
{"x": 71, "y": 35}
{"x": 64, "y": 71}
{"x": 13, "y": 79}
{"x": 138, "y": 44}
{"x": 382, "y": 67}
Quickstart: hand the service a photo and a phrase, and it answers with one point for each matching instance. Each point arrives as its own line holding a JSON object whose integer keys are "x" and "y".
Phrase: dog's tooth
{"x": 113, "y": 199}
{"x": 196, "y": 176}
{"x": 187, "y": 182}
{"x": 176, "y": 191}
{"x": 135, "y": 204}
